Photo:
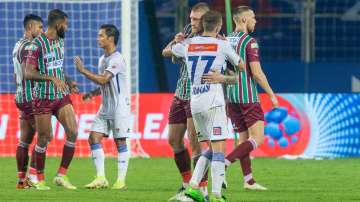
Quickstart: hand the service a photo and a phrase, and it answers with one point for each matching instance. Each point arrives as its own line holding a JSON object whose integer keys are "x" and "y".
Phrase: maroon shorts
{"x": 45, "y": 106}
{"x": 179, "y": 111}
{"x": 243, "y": 116}
{"x": 26, "y": 111}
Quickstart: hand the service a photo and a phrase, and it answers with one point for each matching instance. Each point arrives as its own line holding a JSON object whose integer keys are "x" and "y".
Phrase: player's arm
{"x": 72, "y": 84}
{"x": 31, "y": 72}
{"x": 167, "y": 50}
{"x": 99, "y": 79}
{"x": 261, "y": 79}
{"x": 252, "y": 51}
{"x": 216, "y": 77}
{"x": 89, "y": 95}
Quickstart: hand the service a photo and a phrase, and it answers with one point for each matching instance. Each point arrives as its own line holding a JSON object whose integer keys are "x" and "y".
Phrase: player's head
{"x": 33, "y": 24}
{"x": 212, "y": 21}
{"x": 246, "y": 16}
{"x": 57, "y": 19}
{"x": 197, "y": 11}
{"x": 108, "y": 35}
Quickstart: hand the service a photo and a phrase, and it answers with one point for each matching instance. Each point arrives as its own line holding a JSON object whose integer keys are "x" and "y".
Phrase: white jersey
{"x": 115, "y": 95}
{"x": 203, "y": 54}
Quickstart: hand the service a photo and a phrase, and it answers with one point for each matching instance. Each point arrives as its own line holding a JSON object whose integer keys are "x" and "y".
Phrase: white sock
{"x": 200, "y": 168}
{"x": 123, "y": 161}
{"x": 98, "y": 158}
{"x": 217, "y": 173}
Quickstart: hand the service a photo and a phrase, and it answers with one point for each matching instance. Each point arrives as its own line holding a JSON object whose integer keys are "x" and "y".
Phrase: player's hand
{"x": 73, "y": 87}
{"x": 274, "y": 101}
{"x": 179, "y": 37}
{"x": 86, "y": 97}
{"x": 78, "y": 64}
{"x": 213, "y": 77}
{"x": 60, "y": 84}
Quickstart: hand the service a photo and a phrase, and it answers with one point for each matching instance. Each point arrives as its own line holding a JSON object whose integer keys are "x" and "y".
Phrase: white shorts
{"x": 211, "y": 124}
{"x": 119, "y": 127}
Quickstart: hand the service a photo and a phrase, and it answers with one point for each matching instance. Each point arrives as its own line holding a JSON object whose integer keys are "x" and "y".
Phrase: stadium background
{"x": 309, "y": 51}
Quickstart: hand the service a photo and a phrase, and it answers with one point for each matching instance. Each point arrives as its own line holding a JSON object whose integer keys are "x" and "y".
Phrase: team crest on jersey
{"x": 254, "y": 45}
{"x": 30, "y": 47}
{"x": 217, "y": 130}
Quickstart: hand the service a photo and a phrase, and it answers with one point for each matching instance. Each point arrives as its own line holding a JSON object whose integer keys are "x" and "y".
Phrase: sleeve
{"x": 178, "y": 50}
{"x": 231, "y": 55}
{"x": 252, "y": 51}
{"x": 32, "y": 53}
{"x": 116, "y": 65}
{"x": 187, "y": 30}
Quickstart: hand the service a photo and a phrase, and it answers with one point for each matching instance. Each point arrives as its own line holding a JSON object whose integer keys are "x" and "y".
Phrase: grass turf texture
{"x": 157, "y": 180}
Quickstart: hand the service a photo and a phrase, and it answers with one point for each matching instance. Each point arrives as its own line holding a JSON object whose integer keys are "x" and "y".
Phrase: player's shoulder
{"x": 117, "y": 58}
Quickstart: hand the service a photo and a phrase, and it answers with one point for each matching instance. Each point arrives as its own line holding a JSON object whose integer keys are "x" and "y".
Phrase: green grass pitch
{"x": 157, "y": 179}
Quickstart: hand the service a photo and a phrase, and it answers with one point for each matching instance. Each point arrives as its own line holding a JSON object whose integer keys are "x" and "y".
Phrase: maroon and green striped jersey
{"x": 183, "y": 85}
{"x": 23, "y": 86}
{"x": 47, "y": 55}
{"x": 245, "y": 89}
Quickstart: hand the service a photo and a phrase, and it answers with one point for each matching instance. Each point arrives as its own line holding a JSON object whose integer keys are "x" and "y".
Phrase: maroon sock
{"x": 183, "y": 163}
{"x": 67, "y": 156}
{"x": 22, "y": 156}
{"x": 204, "y": 180}
{"x": 40, "y": 155}
{"x": 241, "y": 150}
{"x": 245, "y": 163}
{"x": 33, "y": 159}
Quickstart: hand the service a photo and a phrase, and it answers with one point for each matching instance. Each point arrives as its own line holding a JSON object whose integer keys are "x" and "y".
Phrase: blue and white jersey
{"x": 202, "y": 55}
{"x": 115, "y": 95}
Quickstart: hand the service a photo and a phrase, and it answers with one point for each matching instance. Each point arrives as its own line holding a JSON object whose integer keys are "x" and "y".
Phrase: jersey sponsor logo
{"x": 254, "y": 45}
{"x": 202, "y": 47}
{"x": 200, "y": 89}
{"x": 217, "y": 130}
{"x": 55, "y": 64}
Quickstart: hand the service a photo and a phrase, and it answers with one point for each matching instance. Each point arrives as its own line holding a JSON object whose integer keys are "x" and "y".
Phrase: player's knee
{"x": 72, "y": 134}
{"x": 259, "y": 139}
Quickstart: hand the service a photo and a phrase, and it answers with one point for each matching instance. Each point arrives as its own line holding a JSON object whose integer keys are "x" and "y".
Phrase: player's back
{"x": 22, "y": 86}
{"x": 115, "y": 95}
{"x": 205, "y": 54}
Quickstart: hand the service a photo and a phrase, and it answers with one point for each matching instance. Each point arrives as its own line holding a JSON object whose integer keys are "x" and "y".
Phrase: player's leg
{"x": 121, "y": 131}
{"x": 122, "y": 163}
{"x": 27, "y": 132}
{"x": 99, "y": 129}
{"x": 255, "y": 125}
{"x": 44, "y": 129}
{"x": 218, "y": 136}
{"x": 66, "y": 116}
{"x": 201, "y": 122}
{"x": 177, "y": 128}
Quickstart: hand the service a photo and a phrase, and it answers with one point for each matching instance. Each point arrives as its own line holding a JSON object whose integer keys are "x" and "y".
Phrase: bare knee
{"x": 94, "y": 139}
{"x": 72, "y": 134}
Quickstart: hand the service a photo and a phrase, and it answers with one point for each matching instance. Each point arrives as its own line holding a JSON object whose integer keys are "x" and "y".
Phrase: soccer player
{"x": 33, "y": 26}
{"x": 114, "y": 113}
{"x": 180, "y": 118}
{"x": 244, "y": 105}
{"x": 203, "y": 54}
{"x": 44, "y": 65}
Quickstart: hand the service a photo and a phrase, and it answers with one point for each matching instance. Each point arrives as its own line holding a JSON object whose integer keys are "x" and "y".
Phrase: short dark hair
{"x": 240, "y": 10}
{"x": 111, "y": 30}
{"x": 55, "y": 15}
{"x": 201, "y": 6}
{"x": 28, "y": 18}
{"x": 210, "y": 20}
